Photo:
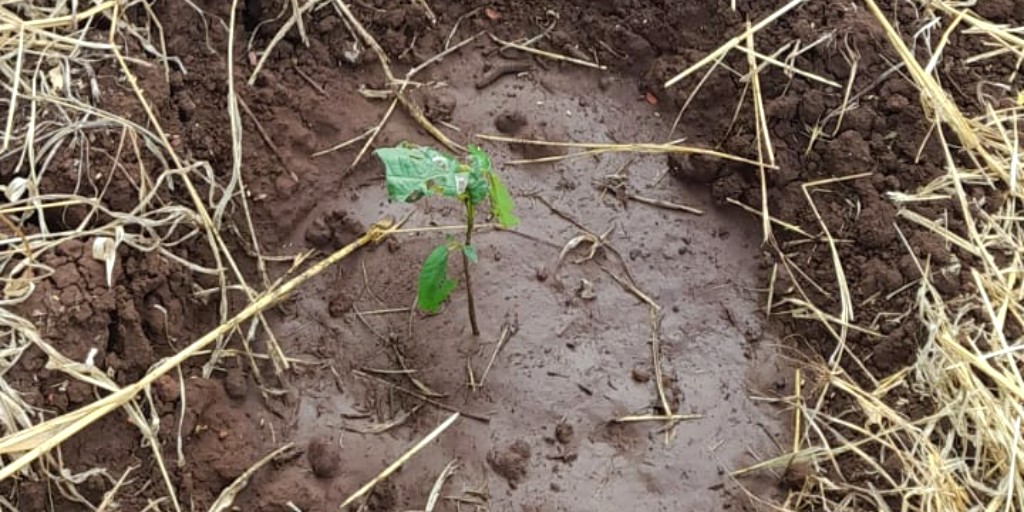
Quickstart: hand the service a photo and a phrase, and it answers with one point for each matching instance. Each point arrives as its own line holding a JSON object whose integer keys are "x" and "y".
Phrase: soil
{"x": 538, "y": 432}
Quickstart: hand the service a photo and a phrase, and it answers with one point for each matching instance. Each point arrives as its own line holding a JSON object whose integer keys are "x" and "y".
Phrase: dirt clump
{"x": 510, "y": 123}
{"x": 324, "y": 457}
{"x": 511, "y": 462}
{"x": 221, "y": 440}
{"x": 640, "y": 375}
{"x": 440, "y": 105}
{"x": 333, "y": 230}
{"x": 167, "y": 389}
{"x": 306, "y": 99}
{"x": 235, "y": 383}
{"x": 564, "y": 433}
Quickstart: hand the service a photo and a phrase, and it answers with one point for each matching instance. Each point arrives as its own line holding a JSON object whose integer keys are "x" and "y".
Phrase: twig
{"x": 380, "y": 428}
{"x": 43, "y": 437}
{"x": 765, "y": 152}
{"x": 664, "y": 204}
{"x": 507, "y": 331}
{"x": 401, "y": 460}
{"x": 455, "y": 27}
{"x": 309, "y": 80}
{"x": 431, "y": 401}
{"x": 547, "y": 55}
{"x": 734, "y": 42}
{"x": 593, "y": 148}
{"x": 227, "y": 496}
{"x": 435, "y": 491}
{"x": 414, "y": 110}
{"x": 427, "y": 10}
{"x": 345, "y": 144}
{"x": 672, "y": 418}
{"x": 500, "y": 70}
{"x": 108, "y": 497}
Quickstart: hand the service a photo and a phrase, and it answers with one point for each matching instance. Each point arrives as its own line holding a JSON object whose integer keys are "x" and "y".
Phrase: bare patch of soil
{"x": 542, "y": 437}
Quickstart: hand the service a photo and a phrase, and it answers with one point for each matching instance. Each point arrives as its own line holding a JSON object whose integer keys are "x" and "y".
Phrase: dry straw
{"x": 965, "y": 453}
{"x": 53, "y": 106}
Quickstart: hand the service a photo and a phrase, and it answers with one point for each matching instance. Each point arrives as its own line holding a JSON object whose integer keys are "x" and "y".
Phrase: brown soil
{"x": 576, "y": 361}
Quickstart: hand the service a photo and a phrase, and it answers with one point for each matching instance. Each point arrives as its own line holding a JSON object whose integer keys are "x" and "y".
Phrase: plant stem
{"x": 470, "y": 211}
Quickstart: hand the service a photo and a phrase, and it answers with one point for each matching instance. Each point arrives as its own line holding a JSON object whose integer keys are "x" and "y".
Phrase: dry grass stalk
{"x": 50, "y": 50}
{"x": 668, "y": 205}
{"x": 435, "y": 491}
{"x": 226, "y": 499}
{"x": 734, "y": 42}
{"x": 39, "y": 439}
{"x": 400, "y": 461}
{"x": 546, "y": 54}
{"x": 966, "y": 453}
{"x": 764, "y": 142}
{"x": 593, "y": 148}
{"x": 507, "y": 331}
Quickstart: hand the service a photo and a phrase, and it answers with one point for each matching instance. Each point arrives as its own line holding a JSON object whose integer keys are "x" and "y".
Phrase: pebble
{"x": 167, "y": 388}
{"x": 324, "y": 458}
{"x": 235, "y": 384}
{"x": 641, "y": 375}
{"x": 564, "y": 433}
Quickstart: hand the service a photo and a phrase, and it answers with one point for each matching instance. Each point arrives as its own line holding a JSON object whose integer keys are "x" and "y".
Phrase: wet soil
{"x": 571, "y": 363}
{"x": 540, "y": 436}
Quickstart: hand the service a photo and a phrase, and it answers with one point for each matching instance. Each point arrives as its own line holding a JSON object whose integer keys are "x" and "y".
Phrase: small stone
{"x": 167, "y": 389}
{"x": 797, "y": 474}
{"x": 79, "y": 392}
{"x": 339, "y": 305}
{"x": 440, "y": 106}
{"x": 235, "y": 384}
{"x": 641, "y": 375}
{"x": 324, "y": 458}
{"x": 542, "y": 273}
{"x": 284, "y": 184}
{"x": 186, "y": 109}
{"x": 564, "y": 433}
{"x": 511, "y": 462}
{"x": 510, "y": 123}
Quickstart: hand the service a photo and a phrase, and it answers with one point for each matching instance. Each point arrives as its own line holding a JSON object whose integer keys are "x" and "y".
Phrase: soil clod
{"x": 339, "y": 305}
{"x": 333, "y": 230}
{"x": 167, "y": 389}
{"x": 564, "y": 433}
{"x": 510, "y": 123}
{"x": 440, "y": 105}
{"x": 511, "y": 462}
{"x": 508, "y": 68}
{"x": 235, "y": 383}
{"x": 324, "y": 458}
{"x": 641, "y": 375}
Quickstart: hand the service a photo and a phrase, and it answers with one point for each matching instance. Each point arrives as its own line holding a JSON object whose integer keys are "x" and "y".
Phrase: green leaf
{"x": 412, "y": 172}
{"x": 480, "y": 166}
{"x": 434, "y": 285}
{"x": 470, "y": 253}
{"x": 477, "y": 188}
{"x": 501, "y": 202}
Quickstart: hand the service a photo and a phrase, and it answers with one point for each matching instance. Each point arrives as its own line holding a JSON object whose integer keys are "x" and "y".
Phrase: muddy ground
{"x": 580, "y": 354}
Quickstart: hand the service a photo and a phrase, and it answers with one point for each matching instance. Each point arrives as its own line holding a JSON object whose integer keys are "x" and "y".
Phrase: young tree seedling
{"x": 413, "y": 172}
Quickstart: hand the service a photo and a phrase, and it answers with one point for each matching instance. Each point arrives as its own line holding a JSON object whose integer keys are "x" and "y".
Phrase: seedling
{"x": 413, "y": 172}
